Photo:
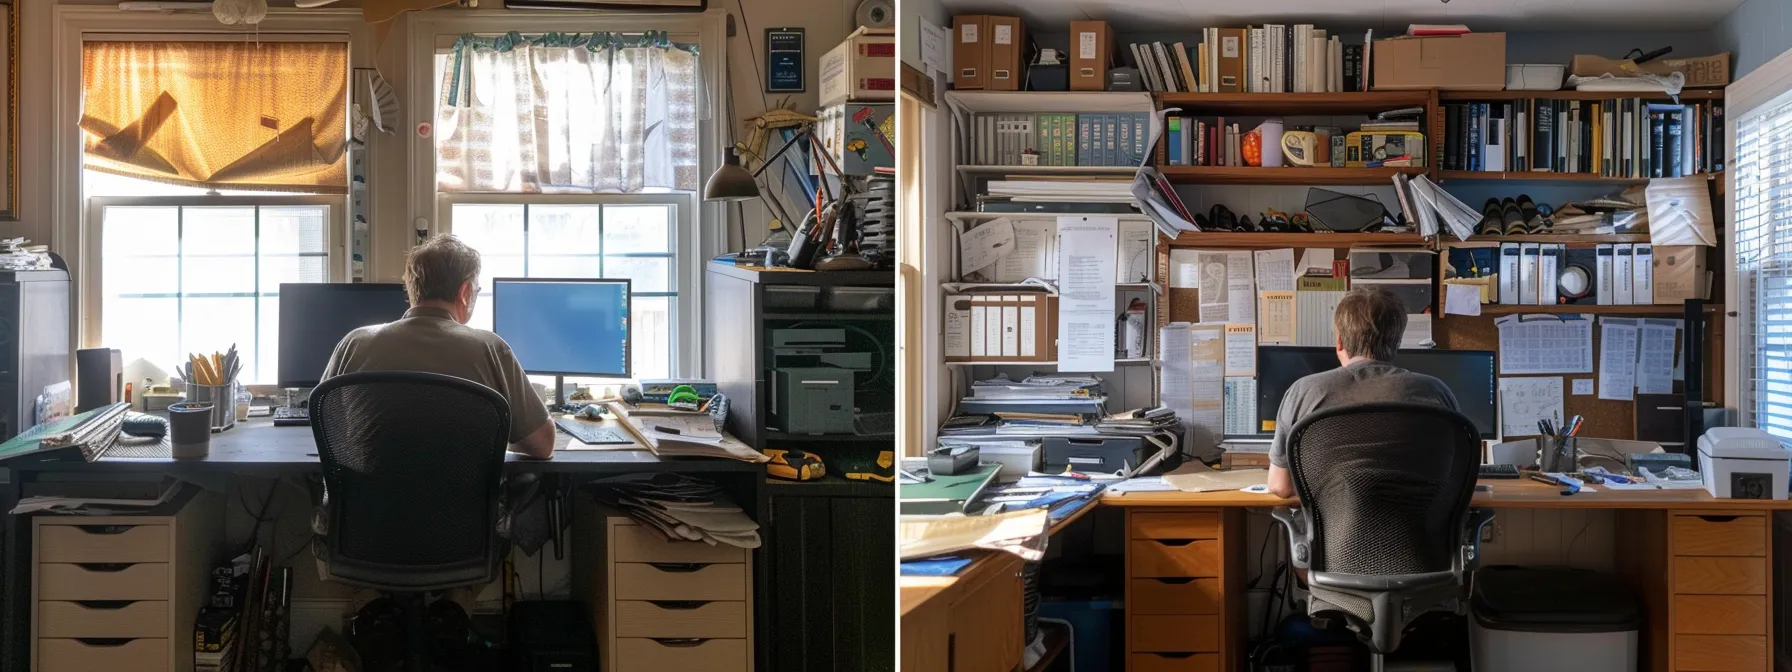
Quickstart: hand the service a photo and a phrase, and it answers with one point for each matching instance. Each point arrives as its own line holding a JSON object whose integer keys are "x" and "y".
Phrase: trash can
{"x": 1551, "y": 618}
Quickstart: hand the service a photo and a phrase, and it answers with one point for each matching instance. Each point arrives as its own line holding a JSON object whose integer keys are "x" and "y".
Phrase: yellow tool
{"x": 886, "y": 473}
{"x": 794, "y": 465}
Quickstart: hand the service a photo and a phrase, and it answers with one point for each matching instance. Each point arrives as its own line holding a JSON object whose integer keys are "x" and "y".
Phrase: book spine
{"x": 1452, "y": 121}
{"x": 1717, "y": 137}
{"x": 1353, "y": 68}
{"x": 1658, "y": 130}
{"x": 1474, "y": 136}
{"x": 1288, "y": 64}
{"x": 1543, "y": 141}
{"x": 1674, "y": 122}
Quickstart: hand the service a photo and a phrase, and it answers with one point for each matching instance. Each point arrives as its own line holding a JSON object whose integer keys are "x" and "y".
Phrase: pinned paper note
{"x": 1655, "y": 356}
{"x": 1526, "y": 401}
{"x": 1275, "y": 270}
{"x": 982, "y": 246}
{"x": 1583, "y": 387}
{"x": 1617, "y": 358}
{"x": 1275, "y": 318}
{"x": 1241, "y": 350}
{"x": 1545, "y": 344}
{"x": 1086, "y": 260}
{"x": 1462, "y": 300}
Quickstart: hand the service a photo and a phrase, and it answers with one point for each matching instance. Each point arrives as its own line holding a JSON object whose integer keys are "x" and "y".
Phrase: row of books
{"x": 1617, "y": 137}
{"x": 1273, "y": 58}
{"x": 1192, "y": 141}
{"x": 1060, "y": 139}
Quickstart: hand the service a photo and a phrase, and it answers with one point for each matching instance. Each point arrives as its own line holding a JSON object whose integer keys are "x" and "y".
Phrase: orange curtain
{"x": 220, "y": 115}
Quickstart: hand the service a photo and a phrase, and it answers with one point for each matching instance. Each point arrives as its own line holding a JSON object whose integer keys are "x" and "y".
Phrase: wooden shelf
{"x": 1687, "y": 94}
{"x": 1049, "y": 170}
{"x": 1293, "y": 104}
{"x": 1227, "y": 239}
{"x": 1051, "y": 101}
{"x": 1502, "y": 309}
{"x": 1540, "y": 176}
{"x": 1286, "y": 175}
{"x": 970, "y": 216}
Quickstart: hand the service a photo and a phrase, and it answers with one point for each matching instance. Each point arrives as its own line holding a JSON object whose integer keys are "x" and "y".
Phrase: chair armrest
{"x": 1300, "y": 534}
{"x": 1470, "y": 557}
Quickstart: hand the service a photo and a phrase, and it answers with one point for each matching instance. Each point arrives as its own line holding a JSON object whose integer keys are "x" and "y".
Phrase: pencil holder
{"x": 223, "y": 403}
{"x": 1557, "y": 453}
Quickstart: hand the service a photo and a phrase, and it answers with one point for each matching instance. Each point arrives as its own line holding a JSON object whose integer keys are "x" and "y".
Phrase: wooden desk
{"x": 1703, "y": 568}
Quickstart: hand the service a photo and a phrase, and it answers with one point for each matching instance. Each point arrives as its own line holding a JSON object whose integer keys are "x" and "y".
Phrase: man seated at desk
{"x": 1369, "y": 323}
{"x": 433, "y": 337}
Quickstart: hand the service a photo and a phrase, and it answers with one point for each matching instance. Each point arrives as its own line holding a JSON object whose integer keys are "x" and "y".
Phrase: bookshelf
{"x": 1543, "y": 176}
{"x": 1285, "y": 175}
{"x": 1294, "y": 104}
{"x": 1104, "y": 171}
{"x": 1689, "y": 95}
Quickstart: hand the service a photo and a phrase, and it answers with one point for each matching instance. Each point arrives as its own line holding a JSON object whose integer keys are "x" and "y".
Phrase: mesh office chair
{"x": 412, "y": 468}
{"x": 1384, "y": 525}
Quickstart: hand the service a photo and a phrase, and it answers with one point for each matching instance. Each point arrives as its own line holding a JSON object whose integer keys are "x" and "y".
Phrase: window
{"x": 1762, "y": 286}
{"x": 633, "y": 240}
{"x": 181, "y": 275}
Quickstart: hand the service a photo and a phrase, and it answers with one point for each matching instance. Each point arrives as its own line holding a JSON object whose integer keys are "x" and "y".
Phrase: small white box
{"x": 862, "y": 68}
{"x": 1743, "y": 463}
{"x": 1018, "y": 458}
{"x": 1534, "y": 76}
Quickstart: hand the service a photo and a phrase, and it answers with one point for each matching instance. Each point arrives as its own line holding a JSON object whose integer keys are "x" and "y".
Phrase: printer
{"x": 1743, "y": 463}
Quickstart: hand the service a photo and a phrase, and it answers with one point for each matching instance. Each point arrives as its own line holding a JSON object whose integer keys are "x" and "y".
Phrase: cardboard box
{"x": 859, "y": 136}
{"x": 970, "y": 52}
{"x": 1001, "y": 327}
{"x": 1701, "y": 72}
{"x": 1471, "y": 62}
{"x": 863, "y": 67}
{"x": 1680, "y": 273}
{"x": 1007, "y": 54}
{"x": 1091, "y": 53}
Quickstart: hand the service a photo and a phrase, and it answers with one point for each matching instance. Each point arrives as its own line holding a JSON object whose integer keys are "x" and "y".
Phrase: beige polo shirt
{"x": 429, "y": 340}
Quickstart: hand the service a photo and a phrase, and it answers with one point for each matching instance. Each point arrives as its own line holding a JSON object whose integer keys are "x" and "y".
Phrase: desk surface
{"x": 257, "y": 445}
{"x": 1506, "y": 494}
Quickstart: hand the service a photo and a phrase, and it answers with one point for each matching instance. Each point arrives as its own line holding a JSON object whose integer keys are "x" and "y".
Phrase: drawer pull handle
{"x": 105, "y": 605}
{"x": 104, "y": 641}
{"x": 105, "y": 566}
{"x": 1176, "y": 656}
{"x": 1175, "y": 543}
{"x": 681, "y": 605}
{"x": 1719, "y": 519}
{"x": 680, "y": 642}
{"x": 1175, "y": 581}
{"x": 678, "y": 567}
{"x": 105, "y": 529}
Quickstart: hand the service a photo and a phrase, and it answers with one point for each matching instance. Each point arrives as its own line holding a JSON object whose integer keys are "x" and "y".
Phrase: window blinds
{"x": 267, "y": 116}
{"x": 1763, "y": 184}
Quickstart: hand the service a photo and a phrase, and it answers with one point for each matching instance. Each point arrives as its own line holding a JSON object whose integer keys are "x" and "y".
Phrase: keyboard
{"x": 288, "y": 416}
{"x": 1499, "y": 471}
{"x": 591, "y": 433}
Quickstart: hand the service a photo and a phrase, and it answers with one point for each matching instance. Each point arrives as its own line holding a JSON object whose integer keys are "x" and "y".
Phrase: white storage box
{"x": 1534, "y": 76}
{"x": 1743, "y": 463}
{"x": 862, "y": 68}
{"x": 1018, "y": 458}
{"x": 1526, "y": 619}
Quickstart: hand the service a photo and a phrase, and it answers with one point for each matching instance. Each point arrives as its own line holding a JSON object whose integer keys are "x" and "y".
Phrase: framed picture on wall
{"x": 620, "y": 5}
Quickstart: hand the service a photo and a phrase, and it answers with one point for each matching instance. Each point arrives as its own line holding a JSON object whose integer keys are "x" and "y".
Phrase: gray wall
{"x": 1755, "y": 33}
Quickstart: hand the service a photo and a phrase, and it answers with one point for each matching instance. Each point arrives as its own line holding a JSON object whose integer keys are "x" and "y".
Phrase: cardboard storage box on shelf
{"x": 859, "y": 136}
{"x": 1680, "y": 273}
{"x": 1701, "y": 72}
{"x": 1007, "y": 69}
{"x": 970, "y": 52}
{"x": 1091, "y": 52}
{"x": 1469, "y": 62}
{"x": 1001, "y": 327}
{"x": 863, "y": 67}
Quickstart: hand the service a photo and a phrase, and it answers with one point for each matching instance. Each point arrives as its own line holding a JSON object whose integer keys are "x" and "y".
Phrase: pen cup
{"x": 1557, "y": 453}
{"x": 220, "y": 398}
{"x": 190, "y": 429}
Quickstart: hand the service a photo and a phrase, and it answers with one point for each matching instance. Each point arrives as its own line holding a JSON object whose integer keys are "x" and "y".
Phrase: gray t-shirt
{"x": 1363, "y": 382}
{"x": 429, "y": 340}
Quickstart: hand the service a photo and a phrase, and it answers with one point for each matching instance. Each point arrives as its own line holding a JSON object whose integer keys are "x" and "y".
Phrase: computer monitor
{"x": 1469, "y": 374}
{"x": 315, "y": 316}
{"x": 564, "y": 327}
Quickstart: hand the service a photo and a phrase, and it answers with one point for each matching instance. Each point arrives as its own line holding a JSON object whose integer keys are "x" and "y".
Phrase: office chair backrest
{"x": 412, "y": 469}
{"x": 1386, "y": 486}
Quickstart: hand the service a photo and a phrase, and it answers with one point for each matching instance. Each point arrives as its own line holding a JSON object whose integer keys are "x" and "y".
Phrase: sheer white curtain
{"x": 567, "y": 114}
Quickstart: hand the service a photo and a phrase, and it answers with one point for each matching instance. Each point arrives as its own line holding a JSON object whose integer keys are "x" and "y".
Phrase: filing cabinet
{"x": 1185, "y": 590}
{"x": 1718, "y": 611}
{"x": 120, "y": 593}
{"x": 658, "y": 604}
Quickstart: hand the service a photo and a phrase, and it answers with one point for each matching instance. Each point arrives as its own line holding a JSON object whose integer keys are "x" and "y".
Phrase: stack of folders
{"x": 1036, "y": 406}
{"x": 1064, "y": 191}
{"x": 681, "y": 507}
{"x": 1621, "y": 274}
{"x": 1139, "y": 422}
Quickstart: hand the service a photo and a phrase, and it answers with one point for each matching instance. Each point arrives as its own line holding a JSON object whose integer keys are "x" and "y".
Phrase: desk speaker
{"x": 99, "y": 378}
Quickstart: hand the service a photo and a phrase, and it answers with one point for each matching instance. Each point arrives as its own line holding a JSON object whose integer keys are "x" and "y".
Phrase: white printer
{"x": 1743, "y": 463}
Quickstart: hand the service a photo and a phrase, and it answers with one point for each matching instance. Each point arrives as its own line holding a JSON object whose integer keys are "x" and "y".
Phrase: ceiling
{"x": 1481, "y": 15}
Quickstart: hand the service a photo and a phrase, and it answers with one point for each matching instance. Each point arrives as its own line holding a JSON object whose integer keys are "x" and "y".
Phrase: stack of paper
{"x": 683, "y": 435}
{"x": 1022, "y": 533}
{"x": 681, "y": 507}
{"x": 1063, "y": 191}
{"x": 1427, "y": 204}
{"x": 1139, "y": 422}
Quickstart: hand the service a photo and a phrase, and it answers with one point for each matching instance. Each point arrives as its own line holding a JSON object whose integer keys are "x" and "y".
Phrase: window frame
{"x": 683, "y": 222}
{"x": 703, "y": 226}
{"x": 92, "y": 276}
{"x": 1760, "y": 91}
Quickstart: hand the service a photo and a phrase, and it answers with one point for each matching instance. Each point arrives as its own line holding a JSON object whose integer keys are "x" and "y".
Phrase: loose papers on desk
{"x": 683, "y": 436}
{"x": 679, "y": 506}
{"x": 1022, "y": 533}
{"x": 1197, "y": 477}
{"x": 1545, "y": 344}
{"x": 1086, "y": 261}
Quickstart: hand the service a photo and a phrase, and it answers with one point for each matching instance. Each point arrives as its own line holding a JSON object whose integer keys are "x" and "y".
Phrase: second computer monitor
{"x": 564, "y": 327}
{"x": 315, "y": 316}
{"x": 1468, "y": 373}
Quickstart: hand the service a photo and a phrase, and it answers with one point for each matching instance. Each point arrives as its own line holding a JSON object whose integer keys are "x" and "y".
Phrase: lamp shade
{"x": 731, "y": 182}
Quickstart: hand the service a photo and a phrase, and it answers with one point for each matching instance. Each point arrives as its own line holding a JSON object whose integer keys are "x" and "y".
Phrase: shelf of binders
{"x": 1285, "y": 175}
{"x": 1484, "y": 96}
{"x": 1074, "y": 102}
{"x": 1672, "y": 309}
{"x": 1546, "y": 176}
{"x": 1227, "y": 239}
{"x": 1589, "y": 239}
{"x": 1103, "y": 171}
{"x": 1293, "y": 104}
